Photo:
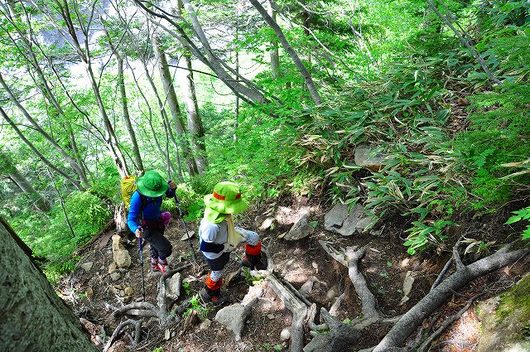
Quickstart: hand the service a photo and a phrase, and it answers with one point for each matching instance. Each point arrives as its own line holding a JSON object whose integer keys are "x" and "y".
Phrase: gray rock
{"x": 285, "y": 334}
{"x": 345, "y": 222}
{"x": 332, "y": 293}
{"x": 87, "y": 266}
{"x": 267, "y": 223}
{"x": 121, "y": 256}
{"x": 234, "y": 316}
{"x": 300, "y": 229}
{"x": 173, "y": 285}
{"x": 368, "y": 157}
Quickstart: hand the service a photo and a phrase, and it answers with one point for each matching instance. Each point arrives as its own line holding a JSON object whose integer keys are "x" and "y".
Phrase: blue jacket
{"x": 150, "y": 211}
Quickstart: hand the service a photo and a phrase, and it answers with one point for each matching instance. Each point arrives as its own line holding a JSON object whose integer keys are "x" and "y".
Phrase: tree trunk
{"x": 274, "y": 53}
{"x": 292, "y": 53}
{"x": 192, "y": 108}
{"x": 32, "y": 317}
{"x": 7, "y": 167}
{"x": 174, "y": 108}
{"x": 126, "y": 116}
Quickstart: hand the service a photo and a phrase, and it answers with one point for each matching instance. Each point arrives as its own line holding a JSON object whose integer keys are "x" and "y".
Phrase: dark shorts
{"x": 219, "y": 263}
{"x": 160, "y": 246}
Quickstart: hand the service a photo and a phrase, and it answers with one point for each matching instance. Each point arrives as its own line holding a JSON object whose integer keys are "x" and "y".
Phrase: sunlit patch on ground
{"x": 463, "y": 336}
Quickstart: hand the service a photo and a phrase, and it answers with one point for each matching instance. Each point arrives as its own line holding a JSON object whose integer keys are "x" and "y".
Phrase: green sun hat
{"x": 225, "y": 199}
{"x": 151, "y": 184}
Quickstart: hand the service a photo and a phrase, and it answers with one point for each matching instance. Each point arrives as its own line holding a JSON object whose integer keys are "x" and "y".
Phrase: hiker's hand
{"x": 139, "y": 233}
{"x": 172, "y": 185}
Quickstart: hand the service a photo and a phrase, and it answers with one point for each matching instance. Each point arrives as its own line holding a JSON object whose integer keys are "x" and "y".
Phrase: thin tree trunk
{"x": 174, "y": 108}
{"x": 36, "y": 151}
{"x": 165, "y": 120}
{"x": 465, "y": 41}
{"x": 45, "y": 134}
{"x": 61, "y": 202}
{"x": 46, "y": 91}
{"x": 247, "y": 91}
{"x": 22, "y": 182}
{"x": 32, "y": 315}
{"x": 274, "y": 53}
{"x": 192, "y": 108}
{"x": 289, "y": 49}
{"x": 126, "y": 116}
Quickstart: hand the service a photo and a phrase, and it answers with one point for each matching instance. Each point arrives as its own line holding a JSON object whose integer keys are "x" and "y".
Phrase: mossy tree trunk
{"x": 32, "y": 316}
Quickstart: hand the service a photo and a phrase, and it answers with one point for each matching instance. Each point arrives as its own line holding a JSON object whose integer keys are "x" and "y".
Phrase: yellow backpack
{"x": 127, "y": 186}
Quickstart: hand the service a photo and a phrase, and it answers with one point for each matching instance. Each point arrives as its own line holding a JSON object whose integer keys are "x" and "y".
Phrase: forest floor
{"x": 94, "y": 295}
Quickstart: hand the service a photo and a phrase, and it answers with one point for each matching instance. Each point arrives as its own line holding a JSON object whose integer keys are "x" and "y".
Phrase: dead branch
{"x": 137, "y": 324}
{"x": 407, "y": 324}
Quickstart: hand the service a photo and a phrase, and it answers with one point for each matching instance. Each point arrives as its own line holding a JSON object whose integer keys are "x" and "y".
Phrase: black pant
{"x": 160, "y": 246}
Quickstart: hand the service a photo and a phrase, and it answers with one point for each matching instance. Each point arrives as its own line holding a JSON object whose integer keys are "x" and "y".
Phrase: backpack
{"x": 127, "y": 187}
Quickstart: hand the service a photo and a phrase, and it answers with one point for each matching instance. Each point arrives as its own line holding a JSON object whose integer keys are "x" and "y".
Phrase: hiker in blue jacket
{"x": 145, "y": 219}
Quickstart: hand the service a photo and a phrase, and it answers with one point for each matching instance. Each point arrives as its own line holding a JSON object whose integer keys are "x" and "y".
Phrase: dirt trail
{"x": 94, "y": 294}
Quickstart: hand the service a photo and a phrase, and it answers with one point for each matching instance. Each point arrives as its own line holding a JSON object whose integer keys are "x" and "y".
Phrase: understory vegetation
{"x": 454, "y": 131}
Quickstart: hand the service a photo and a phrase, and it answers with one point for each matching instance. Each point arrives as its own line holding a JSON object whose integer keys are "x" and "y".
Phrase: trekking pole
{"x": 177, "y": 203}
{"x": 141, "y": 253}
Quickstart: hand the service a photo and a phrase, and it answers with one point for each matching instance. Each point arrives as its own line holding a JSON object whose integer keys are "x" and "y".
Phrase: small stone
{"x": 297, "y": 251}
{"x": 314, "y": 265}
{"x": 345, "y": 222}
{"x": 267, "y": 224}
{"x": 89, "y": 293}
{"x": 205, "y": 325}
{"x": 187, "y": 236}
{"x": 285, "y": 334}
{"x": 167, "y": 334}
{"x": 270, "y": 316}
{"x": 87, "y": 266}
{"x": 115, "y": 276}
{"x": 129, "y": 291}
{"x": 112, "y": 268}
{"x": 332, "y": 293}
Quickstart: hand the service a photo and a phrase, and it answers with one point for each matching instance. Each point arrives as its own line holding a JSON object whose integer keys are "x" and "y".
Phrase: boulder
{"x": 120, "y": 255}
{"x": 340, "y": 220}
{"x": 368, "y": 157}
{"x": 300, "y": 229}
{"x": 234, "y": 316}
{"x": 173, "y": 286}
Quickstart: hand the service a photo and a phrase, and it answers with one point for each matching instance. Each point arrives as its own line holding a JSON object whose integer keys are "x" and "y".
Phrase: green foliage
{"x": 197, "y": 308}
{"x": 421, "y": 234}
{"x": 519, "y": 215}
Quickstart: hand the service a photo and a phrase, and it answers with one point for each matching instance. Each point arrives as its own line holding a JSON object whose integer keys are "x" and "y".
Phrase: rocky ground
{"x": 291, "y": 230}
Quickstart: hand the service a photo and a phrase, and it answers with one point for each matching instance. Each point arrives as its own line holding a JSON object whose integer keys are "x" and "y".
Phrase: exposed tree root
{"x": 136, "y": 324}
{"x": 464, "y": 273}
{"x": 341, "y": 336}
{"x": 149, "y": 310}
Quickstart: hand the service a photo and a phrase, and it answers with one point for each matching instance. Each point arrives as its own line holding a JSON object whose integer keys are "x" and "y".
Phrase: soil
{"x": 94, "y": 295}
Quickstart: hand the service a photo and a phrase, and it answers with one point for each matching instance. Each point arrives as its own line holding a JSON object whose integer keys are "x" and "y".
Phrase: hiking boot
{"x": 154, "y": 264}
{"x": 211, "y": 296}
{"x": 162, "y": 266}
{"x": 254, "y": 262}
